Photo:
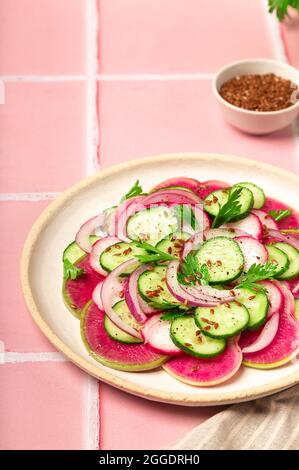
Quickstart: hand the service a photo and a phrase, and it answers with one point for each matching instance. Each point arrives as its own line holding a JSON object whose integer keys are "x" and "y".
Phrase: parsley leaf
{"x": 281, "y": 7}
{"x": 154, "y": 254}
{"x": 70, "y": 271}
{"x": 191, "y": 272}
{"x": 135, "y": 190}
{"x": 281, "y": 214}
{"x": 230, "y": 209}
{"x": 205, "y": 275}
{"x": 257, "y": 272}
{"x": 173, "y": 314}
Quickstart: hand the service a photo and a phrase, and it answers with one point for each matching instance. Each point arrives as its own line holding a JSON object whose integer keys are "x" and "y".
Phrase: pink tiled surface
{"x": 42, "y": 37}
{"x": 49, "y": 120}
{"x": 41, "y": 406}
{"x": 45, "y": 144}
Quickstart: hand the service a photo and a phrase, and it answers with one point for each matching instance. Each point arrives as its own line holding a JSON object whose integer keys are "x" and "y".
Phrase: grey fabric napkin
{"x": 267, "y": 423}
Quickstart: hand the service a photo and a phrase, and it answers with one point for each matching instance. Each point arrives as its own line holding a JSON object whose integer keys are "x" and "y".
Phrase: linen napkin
{"x": 267, "y": 423}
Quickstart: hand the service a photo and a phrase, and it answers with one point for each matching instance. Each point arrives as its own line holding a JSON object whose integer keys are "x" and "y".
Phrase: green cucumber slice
{"x": 217, "y": 199}
{"x": 173, "y": 243}
{"x": 222, "y": 321}
{"x": 279, "y": 258}
{"x": 119, "y": 335}
{"x": 123, "y": 312}
{"x": 293, "y": 255}
{"x": 258, "y": 194}
{"x": 223, "y": 258}
{"x": 153, "y": 224}
{"x": 257, "y": 305}
{"x": 73, "y": 252}
{"x": 153, "y": 289}
{"x": 117, "y": 254}
{"x": 186, "y": 336}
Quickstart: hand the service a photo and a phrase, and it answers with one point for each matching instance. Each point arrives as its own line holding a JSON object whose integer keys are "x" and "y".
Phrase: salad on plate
{"x": 199, "y": 278}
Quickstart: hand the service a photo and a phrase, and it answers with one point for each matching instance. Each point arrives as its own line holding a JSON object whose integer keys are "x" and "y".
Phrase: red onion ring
{"x": 89, "y": 228}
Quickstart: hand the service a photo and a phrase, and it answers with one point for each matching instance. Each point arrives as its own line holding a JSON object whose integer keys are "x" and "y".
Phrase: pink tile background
{"x": 45, "y": 144}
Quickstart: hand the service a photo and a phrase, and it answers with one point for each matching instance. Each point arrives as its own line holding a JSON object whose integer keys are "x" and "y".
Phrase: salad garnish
{"x": 154, "y": 254}
{"x": 135, "y": 190}
{"x": 71, "y": 271}
{"x": 257, "y": 272}
{"x": 280, "y": 214}
{"x": 230, "y": 209}
{"x": 191, "y": 273}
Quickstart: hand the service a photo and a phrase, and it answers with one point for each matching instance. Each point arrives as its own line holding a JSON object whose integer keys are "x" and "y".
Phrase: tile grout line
{"x": 30, "y": 197}
{"x": 106, "y": 77}
{"x": 280, "y": 54}
{"x": 29, "y": 357}
{"x": 91, "y": 405}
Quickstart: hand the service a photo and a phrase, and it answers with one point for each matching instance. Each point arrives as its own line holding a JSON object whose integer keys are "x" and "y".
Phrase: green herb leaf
{"x": 70, "y": 271}
{"x": 230, "y": 209}
{"x": 154, "y": 254}
{"x": 205, "y": 275}
{"x": 190, "y": 272}
{"x": 173, "y": 314}
{"x": 257, "y": 272}
{"x": 281, "y": 214}
{"x": 281, "y": 7}
{"x": 134, "y": 191}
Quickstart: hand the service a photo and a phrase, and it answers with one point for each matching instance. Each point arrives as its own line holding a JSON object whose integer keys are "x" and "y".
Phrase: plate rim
{"x": 108, "y": 377}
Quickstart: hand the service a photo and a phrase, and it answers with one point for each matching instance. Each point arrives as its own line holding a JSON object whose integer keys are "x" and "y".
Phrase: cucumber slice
{"x": 173, "y": 243}
{"x": 257, "y": 305}
{"x": 223, "y": 258}
{"x": 279, "y": 258}
{"x": 153, "y": 289}
{"x": 152, "y": 224}
{"x": 166, "y": 188}
{"x": 186, "y": 336}
{"x": 119, "y": 335}
{"x": 123, "y": 312}
{"x": 293, "y": 255}
{"x": 222, "y": 321}
{"x": 117, "y": 254}
{"x": 73, "y": 252}
{"x": 217, "y": 199}
{"x": 258, "y": 194}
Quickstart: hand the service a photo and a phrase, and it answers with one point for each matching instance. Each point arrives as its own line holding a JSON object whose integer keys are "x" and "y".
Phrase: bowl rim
{"x": 248, "y": 111}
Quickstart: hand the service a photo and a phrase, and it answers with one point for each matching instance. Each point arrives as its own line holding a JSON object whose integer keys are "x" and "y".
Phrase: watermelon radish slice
{"x": 251, "y": 225}
{"x": 203, "y": 372}
{"x": 292, "y": 221}
{"x": 188, "y": 183}
{"x": 79, "y": 291}
{"x": 171, "y": 196}
{"x": 265, "y": 218}
{"x": 294, "y": 286}
{"x": 111, "y": 353}
{"x": 266, "y": 335}
{"x": 253, "y": 251}
{"x": 209, "y": 186}
{"x": 285, "y": 345}
{"x": 156, "y": 334}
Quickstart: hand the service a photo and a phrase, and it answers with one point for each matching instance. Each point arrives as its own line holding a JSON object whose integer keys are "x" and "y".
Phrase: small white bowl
{"x": 256, "y": 122}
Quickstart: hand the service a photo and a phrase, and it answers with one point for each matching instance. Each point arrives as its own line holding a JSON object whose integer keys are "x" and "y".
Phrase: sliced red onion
{"x": 132, "y": 296}
{"x": 202, "y": 298}
{"x": 189, "y": 183}
{"x": 96, "y": 295}
{"x": 111, "y": 288}
{"x": 118, "y": 223}
{"x": 250, "y": 224}
{"x": 89, "y": 228}
{"x": 265, "y": 219}
{"x": 175, "y": 196}
{"x": 192, "y": 243}
{"x": 210, "y": 293}
{"x": 266, "y": 336}
{"x": 96, "y": 251}
{"x": 156, "y": 334}
{"x": 275, "y": 297}
{"x": 287, "y": 238}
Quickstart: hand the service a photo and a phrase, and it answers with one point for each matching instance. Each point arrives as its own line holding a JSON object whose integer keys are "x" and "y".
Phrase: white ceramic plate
{"x": 57, "y": 226}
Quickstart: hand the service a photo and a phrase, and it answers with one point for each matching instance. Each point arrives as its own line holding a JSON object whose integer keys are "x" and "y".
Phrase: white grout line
{"x": 92, "y": 137}
{"x": 91, "y": 414}
{"x": 280, "y": 54}
{"x": 15, "y": 357}
{"x": 154, "y": 77}
{"x": 31, "y": 197}
{"x": 42, "y": 78}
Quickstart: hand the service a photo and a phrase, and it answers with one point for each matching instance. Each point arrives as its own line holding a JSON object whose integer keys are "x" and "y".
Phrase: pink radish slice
{"x": 111, "y": 289}
{"x": 209, "y": 186}
{"x": 204, "y": 296}
{"x": 132, "y": 296}
{"x": 287, "y": 238}
{"x": 156, "y": 334}
{"x": 97, "y": 249}
{"x": 175, "y": 196}
{"x": 224, "y": 232}
{"x": 253, "y": 251}
{"x": 251, "y": 225}
{"x": 266, "y": 336}
{"x": 265, "y": 219}
{"x": 188, "y": 183}
{"x": 275, "y": 297}
{"x": 96, "y": 295}
{"x": 89, "y": 228}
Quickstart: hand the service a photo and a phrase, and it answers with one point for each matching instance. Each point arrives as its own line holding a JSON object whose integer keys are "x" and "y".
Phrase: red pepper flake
{"x": 209, "y": 263}
{"x": 215, "y": 199}
{"x": 231, "y": 230}
{"x": 117, "y": 254}
{"x": 187, "y": 280}
{"x": 117, "y": 246}
{"x": 163, "y": 279}
{"x": 212, "y": 311}
{"x": 121, "y": 294}
{"x": 207, "y": 328}
{"x": 210, "y": 322}
{"x": 127, "y": 251}
{"x": 208, "y": 202}
{"x": 238, "y": 303}
{"x": 169, "y": 250}
{"x": 108, "y": 249}
{"x": 226, "y": 304}
{"x": 187, "y": 344}
{"x": 252, "y": 297}
{"x": 232, "y": 292}
{"x": 218, "y": 262}
{"x": 197, "y": 333}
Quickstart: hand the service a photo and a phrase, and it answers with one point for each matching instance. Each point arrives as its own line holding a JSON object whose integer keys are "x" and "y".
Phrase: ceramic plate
{"x": 57, "y": 226}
